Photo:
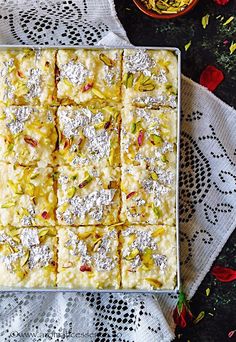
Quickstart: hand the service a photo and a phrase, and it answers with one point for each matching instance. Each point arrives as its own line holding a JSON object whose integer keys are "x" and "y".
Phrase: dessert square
{"x": 27, "y": 196}
{"x": 88, "y": 195}
{"x": 148, "y": 257}
{"x": 27, "y": 135}
{"x": 88, "y": 258}
{"x": 88, "y": 135}
{"x": 148, "y": 136}
{"x": 148, "y": 195}
{"x": 88, "y": 74}
{"x": 27, "y": 76}
{"x": 28, "y": 257}
{"x": 150, "y": 78}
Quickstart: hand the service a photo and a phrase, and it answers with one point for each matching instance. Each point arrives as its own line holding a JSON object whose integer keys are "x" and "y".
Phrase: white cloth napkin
{"x": 207, "y": 193}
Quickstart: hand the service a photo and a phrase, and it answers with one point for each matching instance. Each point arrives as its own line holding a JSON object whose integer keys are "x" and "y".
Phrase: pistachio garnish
{"x": 8, "y": 204}
{"x": 85, "y": 182}
{"x": 128, "y": 80}
{"x": 156, "y": 139}
{"x": 158, "y": 232}
{"x": 71, "y": 191}
{"x": 132, "y": 254}
{"x": 154, "y": 282}
{"x": 157, "y": 211}
{"x": 98, "y": 93}
{"x": 106, "y": 60}
{"x": 25, "y": 258}
{"x": 133, "y": 127}
{"x": 167, "y": 6}
{"x": 154, "y": 176}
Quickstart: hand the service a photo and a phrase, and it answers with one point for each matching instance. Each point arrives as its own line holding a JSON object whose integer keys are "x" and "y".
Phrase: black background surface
{"x": 207, "y": 48}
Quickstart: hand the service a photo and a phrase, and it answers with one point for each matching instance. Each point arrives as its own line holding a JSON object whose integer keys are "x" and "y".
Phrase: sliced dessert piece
{"x": 88, "y": 195}
{"x": 27, "y": 135}
{"x": 28, "y": 257}
{"x": 88, "y": 135}
{"x": 88, "y": 258}
{"x": 148, "y": 136}
{"x": 88, "y": 74}
{"x": 150, "y": 78}
{"x": 148, "y": 257}
{"x": 27, "y": 76}
{"x": 27, "y": 196}
{"x": 148, "y": 195}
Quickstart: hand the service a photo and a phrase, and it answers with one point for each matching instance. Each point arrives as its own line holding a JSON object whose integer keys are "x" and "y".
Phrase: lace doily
{"x": 57, "y": 22}
{"x": 207, "y": 199}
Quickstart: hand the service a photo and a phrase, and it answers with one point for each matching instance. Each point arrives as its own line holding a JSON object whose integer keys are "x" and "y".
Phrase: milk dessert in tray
{"x": 89, "y": 152}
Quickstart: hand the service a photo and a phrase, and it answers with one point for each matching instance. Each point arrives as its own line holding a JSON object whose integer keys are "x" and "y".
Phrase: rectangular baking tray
{"x": 176, "y": 289}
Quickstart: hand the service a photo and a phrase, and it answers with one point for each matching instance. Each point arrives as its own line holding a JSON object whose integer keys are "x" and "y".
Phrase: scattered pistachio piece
{"x": 25, "y": 258}
{"x": 8, "y": 204}
{"x": 85, "y": 182}
{"x": 132, "y": 254}
{"x": 106, "y": 60}
{"x": 200, "y": 316}
{"x": 133, "y": 127}
{"x": 154, "y": 176}
{"x": 157, "y": 211}
{"x": 205, "y": 20}
{"x": 154, "y": 282}
{"x": 71, "y": 192}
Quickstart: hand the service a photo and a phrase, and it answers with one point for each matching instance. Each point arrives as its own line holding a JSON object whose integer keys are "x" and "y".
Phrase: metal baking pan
{"x": 178, "y": 54}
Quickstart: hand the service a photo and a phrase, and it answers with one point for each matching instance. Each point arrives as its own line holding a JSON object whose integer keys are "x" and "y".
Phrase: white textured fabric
{"x": 207, "y": 197}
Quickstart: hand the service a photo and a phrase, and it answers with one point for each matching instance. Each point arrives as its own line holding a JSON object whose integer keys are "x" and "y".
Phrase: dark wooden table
{"x": 209, "y": 47}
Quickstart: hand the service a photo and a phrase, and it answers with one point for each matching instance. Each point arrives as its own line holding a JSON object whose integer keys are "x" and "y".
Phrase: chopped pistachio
{"x": 29, "y": 189}
{"x": 158, "y": 232}
{"x": 86, "y": 181}
{"x": 71, "y": 192}
{"x": 133, "y": 127}
{"x": 154, "y": 176}
{"x": 132, "y": 254}
{"x": 84, "y": 235}
{"x": 154, "y": 282}
{"x": 156, "y": 139}
{"x": 147, "y": 87}
{"x": 43, "y": 232}
{"x": 157, "y": 211}
{"x": 106, "y": 60}
{"x": 8, "y": 204}
{"x": 25, "y": 258}
{"x": 96, "y": 244}
{"x": 128, "y": 80}
{"x": 98, "y": 93}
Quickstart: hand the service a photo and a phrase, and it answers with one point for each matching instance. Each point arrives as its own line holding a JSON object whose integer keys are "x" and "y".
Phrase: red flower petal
{"x": 221, "y": 2}
{"x": 182, "y": 314}
{"x": 211, "y": 77}
{"x": 224, "y": 274}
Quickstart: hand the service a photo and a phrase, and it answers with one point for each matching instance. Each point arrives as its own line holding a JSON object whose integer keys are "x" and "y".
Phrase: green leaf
{"x": 187, "y": 46}
{"x": 205, "y": 20}
{"x": 200, "y": 316}
{"x": 208, "y": 291}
